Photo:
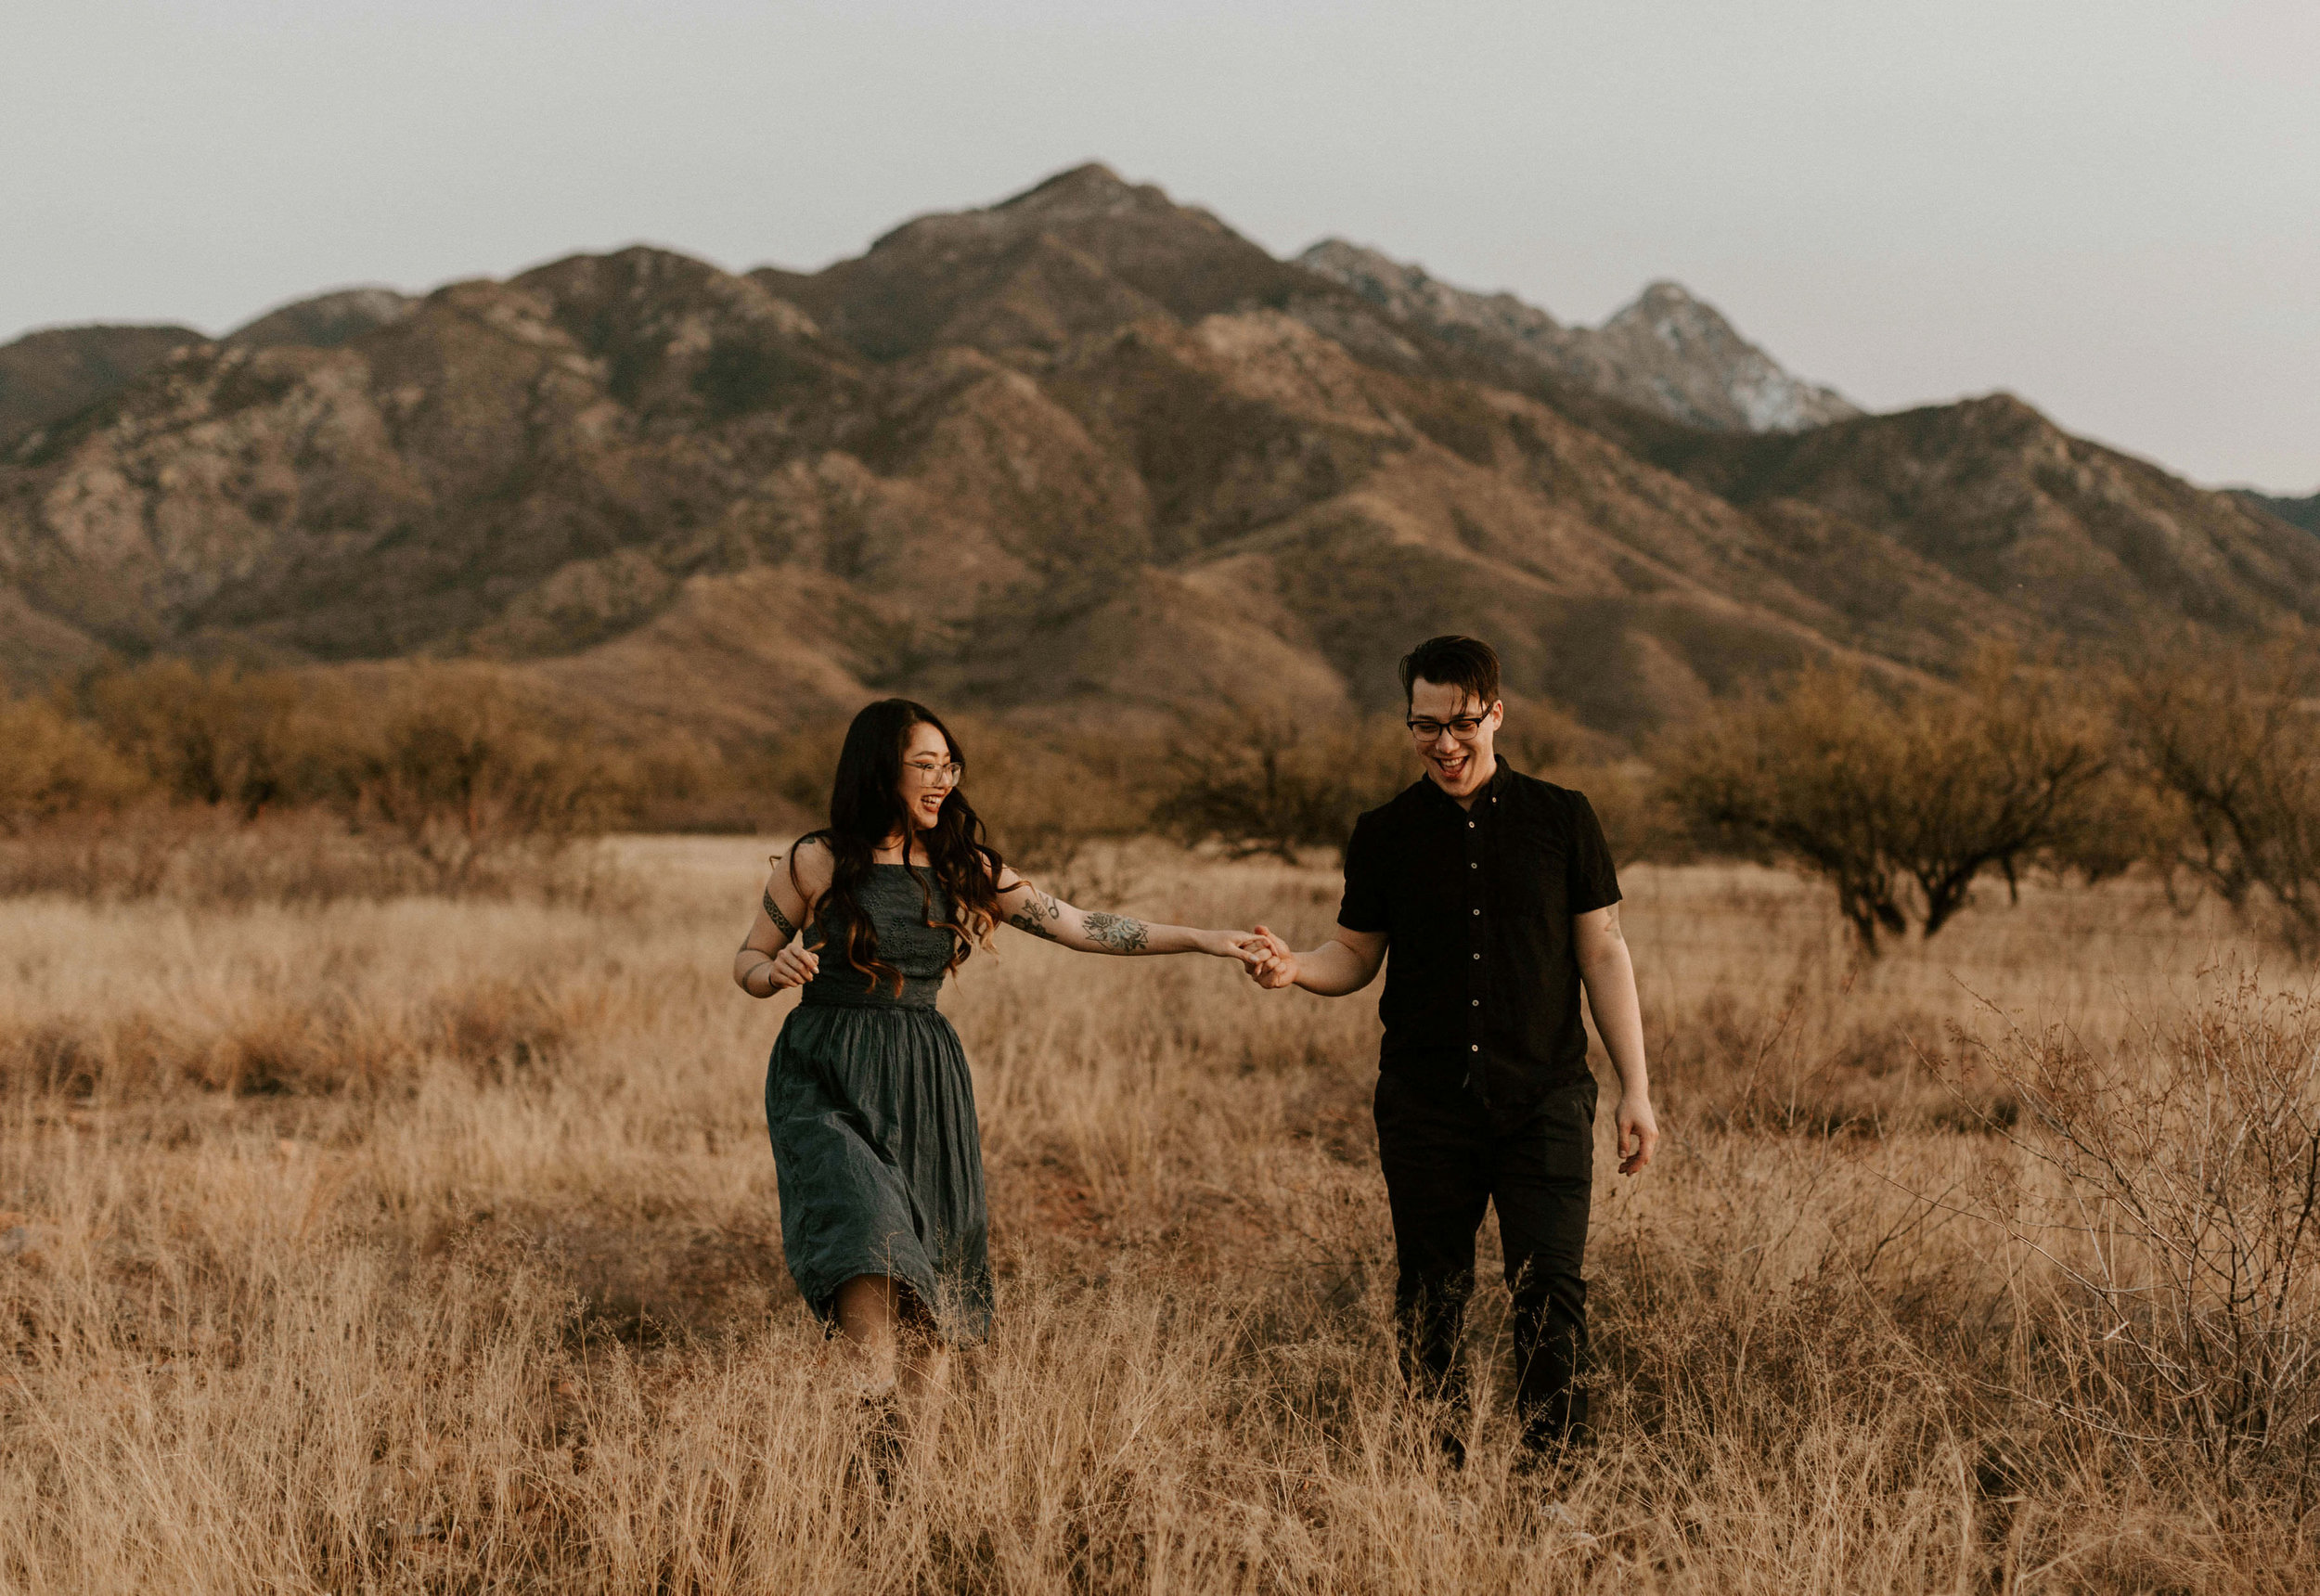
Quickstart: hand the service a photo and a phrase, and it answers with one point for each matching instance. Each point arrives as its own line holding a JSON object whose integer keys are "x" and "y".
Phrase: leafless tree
{"x": 1901, "y": 801}
{"x": 1262, "y": 783}
{"x": 2230, "y": 739}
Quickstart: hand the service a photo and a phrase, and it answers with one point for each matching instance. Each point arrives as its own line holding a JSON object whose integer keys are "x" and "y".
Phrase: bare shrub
{"x": 195, "y": 855}
{"x": 1060, "y": 807}
{"x": 52, "y": 765}
{"x": 1900, "y": 807}
{"x": 2172, "y": 1187}
{"x": 1261, "y": 784}
{"x": 466, "y": 775}
{"x": 2231, "y": 742}
{"x": 222, "y": 737}
{"x": 106, "y": 858}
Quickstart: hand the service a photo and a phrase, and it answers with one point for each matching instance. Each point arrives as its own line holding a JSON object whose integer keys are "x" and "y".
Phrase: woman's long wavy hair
{"x": 865, "y": 808}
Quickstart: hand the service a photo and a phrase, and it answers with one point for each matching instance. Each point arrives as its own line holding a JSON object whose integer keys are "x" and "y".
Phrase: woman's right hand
{"x": 794, "y": 966}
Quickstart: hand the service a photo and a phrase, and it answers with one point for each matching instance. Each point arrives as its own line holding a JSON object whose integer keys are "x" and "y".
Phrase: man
{"x": 1497, "y": 896}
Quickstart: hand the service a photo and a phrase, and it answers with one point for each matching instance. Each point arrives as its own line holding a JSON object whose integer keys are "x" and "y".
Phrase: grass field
{"x": 433, "y": 1244}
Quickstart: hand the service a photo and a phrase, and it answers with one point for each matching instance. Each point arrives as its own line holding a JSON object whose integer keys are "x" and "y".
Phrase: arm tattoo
{"x": 1038, "y": 912}
{"x": 1118, "y": 933}
{"x": 773, "y": 912}
{"x": 749, "y": 975}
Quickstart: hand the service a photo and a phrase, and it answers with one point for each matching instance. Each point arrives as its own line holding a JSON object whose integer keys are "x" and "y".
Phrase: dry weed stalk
{"x": 2171, "y": 1184}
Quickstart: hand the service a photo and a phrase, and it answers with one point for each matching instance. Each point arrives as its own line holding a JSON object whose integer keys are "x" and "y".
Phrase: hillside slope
{"x": 1083, "y": 453}
{"x": 50, "y": 375}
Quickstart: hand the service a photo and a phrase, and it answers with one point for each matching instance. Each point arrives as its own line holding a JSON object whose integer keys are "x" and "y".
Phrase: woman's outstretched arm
{"x": 1049, "y": 917}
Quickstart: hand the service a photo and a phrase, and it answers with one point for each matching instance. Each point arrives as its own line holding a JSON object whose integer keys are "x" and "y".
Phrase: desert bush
{"x": 1631, "y": 804}
{"x": 1052, "y": 802}
{"x": 52, "y": 763}
{"x": 680, "y": 783}
{"x": 464, "y": 774}
{"x": 190, "y": 855}
{"x": 276, "y": 787}
{"x": 2172, "y": 1187}
{"x": 1262, "y": 784}
{"x": 2231, "y": 743}
{"x": 224, "y": 737}
{"x": 1901, "y": 806}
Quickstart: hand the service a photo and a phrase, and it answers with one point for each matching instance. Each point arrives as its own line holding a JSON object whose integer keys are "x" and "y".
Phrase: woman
{"x": 871, "y": 1111}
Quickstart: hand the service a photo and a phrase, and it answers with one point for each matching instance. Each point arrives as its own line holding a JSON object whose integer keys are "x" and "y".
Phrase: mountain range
{"x": 1087, "y": 452}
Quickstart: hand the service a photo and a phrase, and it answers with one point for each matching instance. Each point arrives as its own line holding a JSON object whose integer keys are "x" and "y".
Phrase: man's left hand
{"x": 1639, "y": 1133}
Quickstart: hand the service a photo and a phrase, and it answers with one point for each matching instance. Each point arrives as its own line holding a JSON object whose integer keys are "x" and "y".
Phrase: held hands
{"x": 1249, "y": 947}
{"x": 1275, "y": 965}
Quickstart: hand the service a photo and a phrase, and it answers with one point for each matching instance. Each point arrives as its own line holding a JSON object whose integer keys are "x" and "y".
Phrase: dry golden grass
{"x": 433, "y": 1245}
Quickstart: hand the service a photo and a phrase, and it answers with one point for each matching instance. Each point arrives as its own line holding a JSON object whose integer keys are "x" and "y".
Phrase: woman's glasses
{"x": 929, "y": 774}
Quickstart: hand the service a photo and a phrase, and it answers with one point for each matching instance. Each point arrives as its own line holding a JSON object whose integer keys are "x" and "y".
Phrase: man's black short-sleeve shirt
{"x": 1482, "y": 983}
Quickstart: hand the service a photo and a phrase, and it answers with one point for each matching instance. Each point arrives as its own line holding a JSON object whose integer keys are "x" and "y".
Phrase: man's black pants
{"x": 1446, "y": 1158}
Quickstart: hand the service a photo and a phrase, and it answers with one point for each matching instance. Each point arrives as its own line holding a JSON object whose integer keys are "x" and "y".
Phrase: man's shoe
{"x": 1452, "y": 1447}
{"x": 1544, "y": 1442}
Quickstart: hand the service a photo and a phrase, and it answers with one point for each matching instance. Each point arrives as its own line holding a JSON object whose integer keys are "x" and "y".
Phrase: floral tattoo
{"x": 1118, "y": 933}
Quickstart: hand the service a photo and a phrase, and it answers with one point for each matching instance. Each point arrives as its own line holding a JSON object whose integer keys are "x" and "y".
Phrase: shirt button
{"x": 1470, "y": 825}
{"x": 1477, "y": 1002}
{"x": 1477, "y": 912}
{"x": 1477, "y": 958}
{"x": 1476, "y": 1048}
{"x": 1471, "y": 866}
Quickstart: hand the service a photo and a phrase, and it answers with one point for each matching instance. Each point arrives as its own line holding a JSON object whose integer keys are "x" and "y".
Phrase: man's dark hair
{"x": 1468, "y": 663}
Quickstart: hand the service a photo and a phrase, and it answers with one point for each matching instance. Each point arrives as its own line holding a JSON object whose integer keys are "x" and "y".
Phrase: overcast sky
{"x": 2110, "y": 207}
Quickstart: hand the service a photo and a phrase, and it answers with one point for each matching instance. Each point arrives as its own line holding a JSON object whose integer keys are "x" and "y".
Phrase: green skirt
{"x": 879, "y": 1161}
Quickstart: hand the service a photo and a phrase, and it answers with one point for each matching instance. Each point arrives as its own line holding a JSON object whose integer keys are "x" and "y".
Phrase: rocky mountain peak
{"x": 1705, "y": 373}
{"x": 1085, "y": 196}
{"x": 324, "y": 321}
{"x": 1673, "y": 315}
{"x": 1668, "y": 351}
{"x": 1090, "y": 190}
{"x": 1083, "y": 251}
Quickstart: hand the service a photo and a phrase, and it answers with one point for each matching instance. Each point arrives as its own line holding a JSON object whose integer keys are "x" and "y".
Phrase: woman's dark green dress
{"x": 872, "y": 1114}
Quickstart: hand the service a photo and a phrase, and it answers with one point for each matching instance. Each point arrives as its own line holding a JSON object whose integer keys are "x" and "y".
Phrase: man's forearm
{"x": 1610, "y": 983}
{"x": 1333, "y": 969}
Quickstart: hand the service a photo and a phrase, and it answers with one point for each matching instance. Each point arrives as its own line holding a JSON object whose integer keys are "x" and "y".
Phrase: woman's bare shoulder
{"x": 809, "y": 862}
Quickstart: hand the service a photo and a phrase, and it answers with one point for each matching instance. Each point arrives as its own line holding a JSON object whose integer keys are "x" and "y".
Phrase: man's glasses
{"x": 933, "y": 775}
{"x": 1465, "y": 727}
